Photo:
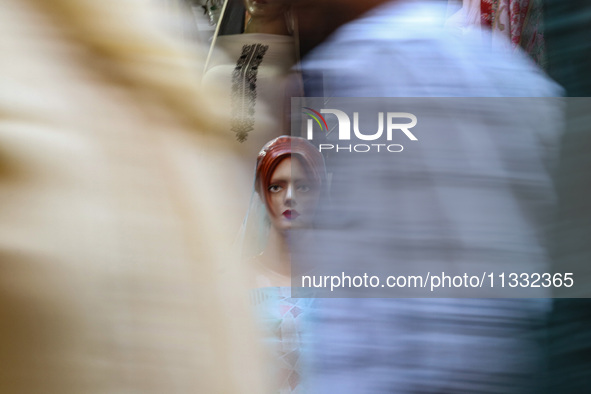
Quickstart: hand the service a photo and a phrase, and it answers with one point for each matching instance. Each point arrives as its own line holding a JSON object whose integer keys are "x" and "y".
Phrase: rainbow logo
{"x": 315, "y": 115}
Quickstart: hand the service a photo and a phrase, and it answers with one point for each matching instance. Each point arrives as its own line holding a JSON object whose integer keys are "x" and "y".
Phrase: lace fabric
{"x": 283, "y": 322}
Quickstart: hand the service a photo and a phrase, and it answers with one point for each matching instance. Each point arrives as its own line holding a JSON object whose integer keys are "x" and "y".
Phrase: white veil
{"x": 254, "y": 231}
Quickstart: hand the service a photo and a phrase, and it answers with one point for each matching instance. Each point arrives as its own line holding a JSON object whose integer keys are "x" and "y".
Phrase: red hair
{"x": 281, "y": 148}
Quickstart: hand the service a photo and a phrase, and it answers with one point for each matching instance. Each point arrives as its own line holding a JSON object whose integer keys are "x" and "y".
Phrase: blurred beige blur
{"x": 115, "y": 194}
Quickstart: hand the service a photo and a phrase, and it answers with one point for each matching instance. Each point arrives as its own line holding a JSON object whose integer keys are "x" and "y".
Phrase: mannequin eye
{"x": 303, "y": 188}
{"x": 274, "y": 188}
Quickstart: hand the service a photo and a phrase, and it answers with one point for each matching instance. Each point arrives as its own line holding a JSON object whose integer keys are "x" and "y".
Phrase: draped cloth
{"x": 513, "y": 23}
{"x": 252, "y": 72}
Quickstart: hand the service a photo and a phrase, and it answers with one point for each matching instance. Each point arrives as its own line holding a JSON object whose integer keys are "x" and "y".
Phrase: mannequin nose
{"x": 289, "y": 197}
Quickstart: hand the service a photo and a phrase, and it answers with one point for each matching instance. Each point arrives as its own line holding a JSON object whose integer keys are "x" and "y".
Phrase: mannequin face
{"x": 292, "y": 196}
{"x": 265, "y": 8}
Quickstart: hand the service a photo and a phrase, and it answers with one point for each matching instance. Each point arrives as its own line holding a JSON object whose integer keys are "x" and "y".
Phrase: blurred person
{"x": 289, "y": 183}
{"x": 115, "y": 190}
{"x": 474, "y": 192}
{"x": 403, "y": 45}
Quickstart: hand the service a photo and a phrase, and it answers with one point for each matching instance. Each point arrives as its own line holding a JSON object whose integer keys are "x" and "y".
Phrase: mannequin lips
{"x": 291, "y": 214}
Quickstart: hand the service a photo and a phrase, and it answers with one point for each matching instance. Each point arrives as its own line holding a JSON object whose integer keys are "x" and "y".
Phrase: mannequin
{"x": 289, "y": 180}
{"x": 253, "y": 70}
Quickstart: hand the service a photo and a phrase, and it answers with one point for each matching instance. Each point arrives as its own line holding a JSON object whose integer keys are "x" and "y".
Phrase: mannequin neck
{"x": 276, "y": 25}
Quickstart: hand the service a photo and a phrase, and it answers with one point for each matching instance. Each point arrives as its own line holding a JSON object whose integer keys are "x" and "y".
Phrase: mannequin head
{"x": 290, "y": 175}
